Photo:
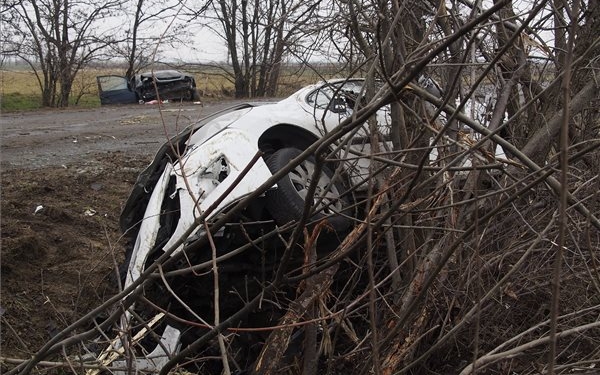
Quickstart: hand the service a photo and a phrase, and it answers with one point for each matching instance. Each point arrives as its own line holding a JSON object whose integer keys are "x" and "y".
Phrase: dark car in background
{"x": 168, "y": 84}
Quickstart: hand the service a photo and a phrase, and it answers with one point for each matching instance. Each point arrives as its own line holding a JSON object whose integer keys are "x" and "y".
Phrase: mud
{"x": 64, "y": 177}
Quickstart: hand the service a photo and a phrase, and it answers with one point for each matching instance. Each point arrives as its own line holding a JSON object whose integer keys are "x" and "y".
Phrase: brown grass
{"x": 20, "y": 89}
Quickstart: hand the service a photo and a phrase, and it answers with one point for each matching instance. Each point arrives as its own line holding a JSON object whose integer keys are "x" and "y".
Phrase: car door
{"x": 115, "y": 90}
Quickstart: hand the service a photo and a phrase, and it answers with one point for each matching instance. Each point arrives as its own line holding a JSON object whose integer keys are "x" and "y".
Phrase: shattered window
{"x": 321, "y": 97}
{"x": 111, "y": 83}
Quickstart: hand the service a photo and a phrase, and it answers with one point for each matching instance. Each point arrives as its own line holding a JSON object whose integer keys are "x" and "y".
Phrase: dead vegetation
{"x": 491, "y": 268}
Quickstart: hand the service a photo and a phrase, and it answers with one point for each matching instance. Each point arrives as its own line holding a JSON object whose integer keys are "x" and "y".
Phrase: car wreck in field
{"x": 146, "y": 87}
{"x": 212, "y": 220}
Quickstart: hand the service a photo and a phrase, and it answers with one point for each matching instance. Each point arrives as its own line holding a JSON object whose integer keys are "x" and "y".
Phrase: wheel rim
{"x": 327, "y": 195}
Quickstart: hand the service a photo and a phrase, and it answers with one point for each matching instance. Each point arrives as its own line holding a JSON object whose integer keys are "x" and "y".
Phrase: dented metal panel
{"x": 201, "y": 179}
{"x": 148, "y": 228}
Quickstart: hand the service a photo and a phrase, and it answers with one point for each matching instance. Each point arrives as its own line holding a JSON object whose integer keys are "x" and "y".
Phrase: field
{"x": 21, "y": 91}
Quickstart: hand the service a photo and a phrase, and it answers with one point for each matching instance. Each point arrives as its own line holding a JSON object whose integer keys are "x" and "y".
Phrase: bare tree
{"x": 58, "y": 39}
{"x": 143, "y": 41}
{"x": 138, "y": 50}
{"x": 524, "y": 87}
{"x": 257, "y": 35}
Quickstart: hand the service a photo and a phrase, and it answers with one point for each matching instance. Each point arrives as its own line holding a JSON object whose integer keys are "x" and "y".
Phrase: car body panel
{"x": 198, "y": 186}
{"x": 148, "y": 228}
{"x": 115, "y": 90}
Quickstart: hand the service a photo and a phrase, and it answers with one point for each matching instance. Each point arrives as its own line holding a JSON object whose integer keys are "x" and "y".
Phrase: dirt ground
{"x": 64, "y": 177}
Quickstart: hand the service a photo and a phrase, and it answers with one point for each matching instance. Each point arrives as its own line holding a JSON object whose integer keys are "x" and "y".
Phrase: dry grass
{"x": 19, "y": 81}
{"x": 21, "y": 91}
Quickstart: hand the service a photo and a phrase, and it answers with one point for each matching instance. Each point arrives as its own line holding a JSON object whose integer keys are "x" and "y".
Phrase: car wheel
{"x": 195, "y": 95}
{"x": 186, "y": 95}
{"x": 286, "y": 203}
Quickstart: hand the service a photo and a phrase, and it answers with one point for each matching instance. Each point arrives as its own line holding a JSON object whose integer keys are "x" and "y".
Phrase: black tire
{"x": 187, "y": 95}
{"x": 195, "y": 95}
{"x": 286, "y": 203}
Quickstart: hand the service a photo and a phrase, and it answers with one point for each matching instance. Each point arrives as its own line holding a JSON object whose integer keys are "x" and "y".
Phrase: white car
{"x": 197, "y": 171}
{"x": 201, "y": 174}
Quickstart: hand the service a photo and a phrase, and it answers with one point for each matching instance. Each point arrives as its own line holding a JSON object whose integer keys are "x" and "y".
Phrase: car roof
{"x": 164, "y": 74}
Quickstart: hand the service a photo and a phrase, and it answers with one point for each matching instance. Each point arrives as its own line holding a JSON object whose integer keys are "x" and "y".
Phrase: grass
{"x": 19, "y": 102}
{"x": 20, "y": 90}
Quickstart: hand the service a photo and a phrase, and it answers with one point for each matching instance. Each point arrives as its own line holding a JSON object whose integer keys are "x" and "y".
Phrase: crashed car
{"x": 146, "y": 87}
{"x": 222, "y": 169}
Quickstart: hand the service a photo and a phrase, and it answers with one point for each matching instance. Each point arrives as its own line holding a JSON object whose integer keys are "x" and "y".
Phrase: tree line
{"x": 58, "y": 39}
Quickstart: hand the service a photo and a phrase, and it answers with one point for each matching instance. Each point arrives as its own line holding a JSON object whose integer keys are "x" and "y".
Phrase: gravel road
{"x": 32, "y": 140}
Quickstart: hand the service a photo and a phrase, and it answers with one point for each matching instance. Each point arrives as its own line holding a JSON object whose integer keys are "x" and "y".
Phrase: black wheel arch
{"x": 283, "y": 136}
{"x": 288, "y": 136}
